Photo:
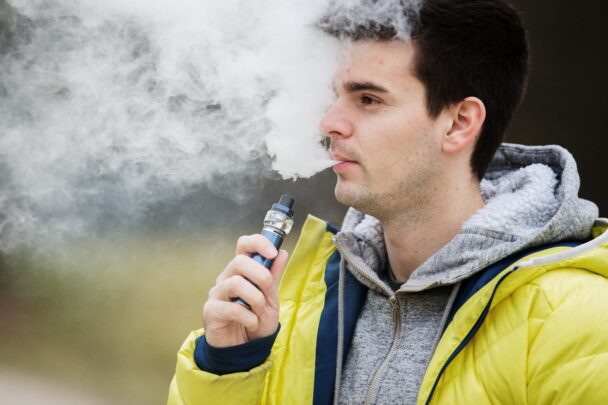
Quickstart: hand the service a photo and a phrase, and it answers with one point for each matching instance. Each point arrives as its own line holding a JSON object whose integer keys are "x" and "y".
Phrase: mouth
{"x": 343, "y": 162}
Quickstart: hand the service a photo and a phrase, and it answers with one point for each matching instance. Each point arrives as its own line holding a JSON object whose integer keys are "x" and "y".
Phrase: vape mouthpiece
{"x": 285, "y": 205}
{"x": 286, "y": 201}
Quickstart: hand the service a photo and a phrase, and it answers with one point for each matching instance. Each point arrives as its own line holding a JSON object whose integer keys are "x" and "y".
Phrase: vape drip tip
{"x": 287, "y": 201}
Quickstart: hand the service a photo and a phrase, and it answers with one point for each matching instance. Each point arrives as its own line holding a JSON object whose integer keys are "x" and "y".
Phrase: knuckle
{"x": 234, "y": 262}
{"x": 259, "y": 238}
{"x": 245, "y": 240}
{"x": 241, "y": 261}
{"x": 241, "y": 240}
{"x": 234, "y": 282}
{"x": 207, "y": 309}
{"x": 222, "y": 276}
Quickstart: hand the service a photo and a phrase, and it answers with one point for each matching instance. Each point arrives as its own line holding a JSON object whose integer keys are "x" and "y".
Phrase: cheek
{"x": 384, "y": 162}
{"x": 392, "y": 143}
{"x": 390, "y": 140}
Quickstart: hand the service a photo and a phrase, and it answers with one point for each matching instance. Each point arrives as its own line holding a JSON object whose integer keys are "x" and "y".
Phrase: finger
{"x": 248, "y": 268}
{"x": 278, "y": 267}
{"x": 250, "y": 244}
{"x": 237, "y": 286}
{"x": 277, "y": 270}
{"x": 216, "y": 312}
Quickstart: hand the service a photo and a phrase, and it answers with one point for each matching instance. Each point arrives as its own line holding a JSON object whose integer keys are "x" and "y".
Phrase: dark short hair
{"x": 462, "y": 48}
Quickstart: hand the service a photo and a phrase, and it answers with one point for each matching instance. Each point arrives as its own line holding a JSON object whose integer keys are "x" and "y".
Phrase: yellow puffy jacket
{"x": 536, "y": 333}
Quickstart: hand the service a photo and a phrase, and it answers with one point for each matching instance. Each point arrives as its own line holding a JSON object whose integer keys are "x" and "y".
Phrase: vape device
{"x": 277, "y": 224}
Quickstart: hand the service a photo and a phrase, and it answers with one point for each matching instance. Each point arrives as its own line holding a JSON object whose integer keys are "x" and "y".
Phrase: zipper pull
{"x": 395, "y": 307}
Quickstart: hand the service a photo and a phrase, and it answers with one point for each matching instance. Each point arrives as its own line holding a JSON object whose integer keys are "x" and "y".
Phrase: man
{"x": 441, "y": 287}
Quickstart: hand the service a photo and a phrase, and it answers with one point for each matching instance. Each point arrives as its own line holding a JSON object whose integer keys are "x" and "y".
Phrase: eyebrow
{"x": 352, "y": 87}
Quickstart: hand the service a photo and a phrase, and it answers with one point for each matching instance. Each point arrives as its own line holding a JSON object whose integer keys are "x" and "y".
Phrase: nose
{"x": 336, "y": 122}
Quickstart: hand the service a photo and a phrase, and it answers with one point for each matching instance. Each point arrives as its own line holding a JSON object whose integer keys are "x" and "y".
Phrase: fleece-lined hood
{"x": 531, "y": 199}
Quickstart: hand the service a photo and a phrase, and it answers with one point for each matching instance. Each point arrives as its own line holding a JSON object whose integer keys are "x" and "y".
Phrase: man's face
{"x": 381, "y": 131}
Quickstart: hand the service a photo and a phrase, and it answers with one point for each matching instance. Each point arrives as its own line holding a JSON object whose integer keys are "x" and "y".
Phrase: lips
{"x": 344, "y": 162}
{"x": 341, "y": 158}
{"x": 342, "y": 166}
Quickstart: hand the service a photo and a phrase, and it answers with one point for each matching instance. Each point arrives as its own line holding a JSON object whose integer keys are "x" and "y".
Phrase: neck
{"x": 415, "y": 234}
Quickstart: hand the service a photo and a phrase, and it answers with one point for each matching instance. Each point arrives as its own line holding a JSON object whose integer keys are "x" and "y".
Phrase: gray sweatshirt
{"x": 531, "y": 199}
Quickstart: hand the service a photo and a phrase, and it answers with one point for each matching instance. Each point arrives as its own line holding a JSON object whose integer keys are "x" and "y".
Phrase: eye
{"x": 367, "y": 100}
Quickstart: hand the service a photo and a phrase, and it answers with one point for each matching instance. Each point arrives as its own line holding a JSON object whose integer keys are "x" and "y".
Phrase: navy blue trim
{"x": 474, "y": 284}
{"x": 327, "y": 336}
{"x": 234, "y": 359}
{"x": 332, "y": 228}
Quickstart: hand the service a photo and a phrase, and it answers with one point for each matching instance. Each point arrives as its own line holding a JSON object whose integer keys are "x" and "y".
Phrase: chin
{"x": 351, "y": 196}
{"x": 343, "y": 192}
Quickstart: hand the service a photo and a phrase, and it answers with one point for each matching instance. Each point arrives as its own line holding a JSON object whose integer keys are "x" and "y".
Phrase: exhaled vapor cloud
{"x": 114, "y": 106}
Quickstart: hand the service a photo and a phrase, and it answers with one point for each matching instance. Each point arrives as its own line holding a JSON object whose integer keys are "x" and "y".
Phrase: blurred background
{"x": 97, "y": 318}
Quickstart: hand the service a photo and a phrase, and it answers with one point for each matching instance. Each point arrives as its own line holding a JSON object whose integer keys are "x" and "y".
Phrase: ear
{"x": 467, "y": 119}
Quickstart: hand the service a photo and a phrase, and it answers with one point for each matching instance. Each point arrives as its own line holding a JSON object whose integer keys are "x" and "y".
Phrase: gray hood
{"x": 531, "y": 199}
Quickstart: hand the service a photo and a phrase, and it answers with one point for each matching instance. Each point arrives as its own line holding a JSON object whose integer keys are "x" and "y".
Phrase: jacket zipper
{"x": 373, "y": 386}
{"x": 396, "y": 312}
{"x": 380, "y": 286}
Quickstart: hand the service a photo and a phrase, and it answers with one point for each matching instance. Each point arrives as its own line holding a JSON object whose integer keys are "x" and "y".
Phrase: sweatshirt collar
{"x": 531, "y": 199}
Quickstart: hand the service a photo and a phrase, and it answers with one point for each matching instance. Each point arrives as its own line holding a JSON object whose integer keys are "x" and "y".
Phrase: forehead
{"x": 388, "y": 63}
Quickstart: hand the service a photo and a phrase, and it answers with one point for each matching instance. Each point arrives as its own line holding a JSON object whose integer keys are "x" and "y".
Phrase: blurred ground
{"x": 24, "y": 388}
{"x": 103, "y": 323}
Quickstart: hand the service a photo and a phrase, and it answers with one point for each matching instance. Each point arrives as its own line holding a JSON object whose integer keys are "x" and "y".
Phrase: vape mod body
{"x": 277, "y": 225}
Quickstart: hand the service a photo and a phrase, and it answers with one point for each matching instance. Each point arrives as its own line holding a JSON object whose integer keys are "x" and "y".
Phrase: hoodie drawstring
{"x": 444, "y": 319}
{"x": 340, "y": 349}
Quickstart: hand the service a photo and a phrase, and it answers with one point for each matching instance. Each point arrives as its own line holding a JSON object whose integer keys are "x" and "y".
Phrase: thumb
{"x": 278, "y": 267}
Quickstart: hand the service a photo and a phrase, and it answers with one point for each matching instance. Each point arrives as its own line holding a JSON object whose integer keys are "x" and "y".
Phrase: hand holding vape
{"x": 277, "y": 225}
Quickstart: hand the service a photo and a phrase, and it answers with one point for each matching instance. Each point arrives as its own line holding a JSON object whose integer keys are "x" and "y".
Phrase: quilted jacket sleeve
{"x": 568, "y": 355}
{"x": 192, "y": 386}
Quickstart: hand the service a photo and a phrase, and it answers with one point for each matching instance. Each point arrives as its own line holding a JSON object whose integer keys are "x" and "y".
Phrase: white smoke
{"x": 114, "y": 106}
{"x": 349, "y": 17}
{"x": 111, "y": 108}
